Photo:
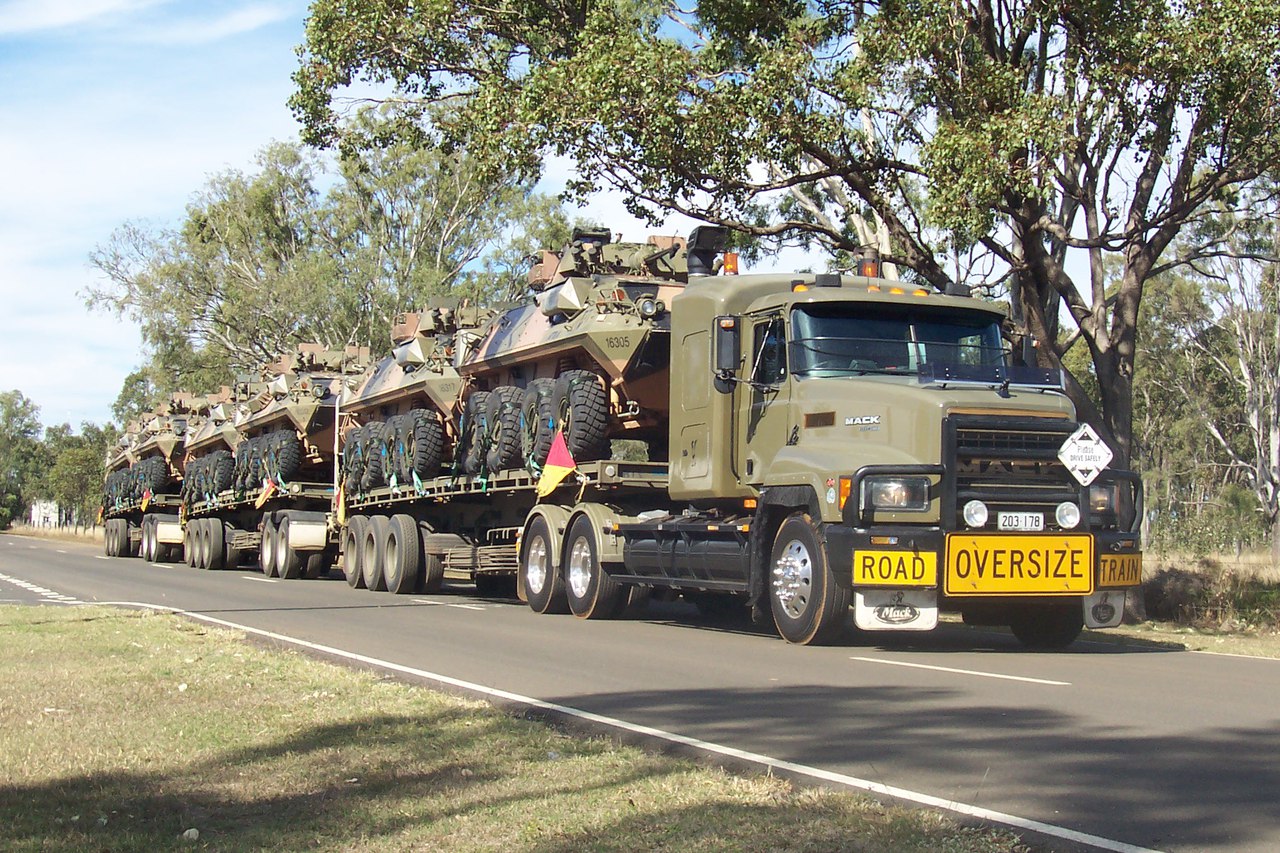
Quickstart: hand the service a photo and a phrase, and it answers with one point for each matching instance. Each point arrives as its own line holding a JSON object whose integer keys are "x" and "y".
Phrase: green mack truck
{"x": 818, "y": 443}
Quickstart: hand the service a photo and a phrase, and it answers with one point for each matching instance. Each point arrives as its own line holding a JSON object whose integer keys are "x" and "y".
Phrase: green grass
{"x": 122, "y": 730}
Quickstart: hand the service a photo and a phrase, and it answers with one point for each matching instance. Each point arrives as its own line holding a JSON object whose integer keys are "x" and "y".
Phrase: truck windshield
{"x": 855, "y": 339}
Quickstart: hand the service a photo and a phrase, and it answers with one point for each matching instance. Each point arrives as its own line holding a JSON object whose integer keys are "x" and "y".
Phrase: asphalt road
{"x": 1158, "y": 749}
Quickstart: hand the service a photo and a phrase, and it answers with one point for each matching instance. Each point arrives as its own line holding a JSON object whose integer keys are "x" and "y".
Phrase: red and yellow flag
{"x": 146, "y": 500}
{"x": 267, "y": 491}
{"x": 559, "y": 465}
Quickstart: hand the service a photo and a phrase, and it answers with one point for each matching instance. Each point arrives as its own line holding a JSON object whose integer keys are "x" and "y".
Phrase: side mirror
{"x": 726, "y": 351}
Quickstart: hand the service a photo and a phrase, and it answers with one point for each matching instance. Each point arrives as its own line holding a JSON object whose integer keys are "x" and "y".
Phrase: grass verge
{"x": 124, "y": 731}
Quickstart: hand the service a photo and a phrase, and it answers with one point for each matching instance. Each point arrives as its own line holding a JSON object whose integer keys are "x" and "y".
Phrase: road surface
{"x": 1146, "y": 747}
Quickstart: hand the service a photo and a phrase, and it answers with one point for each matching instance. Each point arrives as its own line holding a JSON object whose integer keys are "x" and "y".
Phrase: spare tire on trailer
{"x": 474, "y": 432}
{"x": 288, "y": 455}
{"x": 581, "y": 410}
{"x": 537, "y": 422}
{"x": 375, "y": 473}
{"x": 222, "y": 467}
{"x": 353, "y": 460}
{"x": 425, "y": 447}
{"x": 502, "y": 418}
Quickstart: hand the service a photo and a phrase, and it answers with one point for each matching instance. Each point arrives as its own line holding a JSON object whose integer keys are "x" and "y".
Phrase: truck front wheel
{"x": 544, "y": 585}
{"x": 809, "y": 607}
{"x": 1048, "y": 626}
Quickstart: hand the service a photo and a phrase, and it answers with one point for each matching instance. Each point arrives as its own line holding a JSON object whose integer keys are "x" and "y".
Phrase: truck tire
{"x": 809, "y": 606}
{"x": 582, "y": 412}
{"x": 373, "y": 554}
{"x": 544, "y": 584}
{"x": 188, "y": 546}
{"x": 288, "y": 561}
{"x": 502, "y": 416}
{"x": 109, "y": 537}
{"x": 267, "y": 549}
{"x": 425, "y": 451}
{"x": 474, "y": 432}
{"x": 375, "y": 456}
{"x": 591, "y": 590}
{"x": 217, "y": 543}
{"x": 401, "y": 553}
{"x": 232, "y": 556}
{"x": 352, "y": 548}
{"x": 1048, "y": 627}
{"x": 317, "y": 564}
{"x": 432, "y": 573}
{"x": 395, "y": 461}
{"x": 537, "y": 427}
{"x": 353, "y": 460}
{"x": 288, "y": 456}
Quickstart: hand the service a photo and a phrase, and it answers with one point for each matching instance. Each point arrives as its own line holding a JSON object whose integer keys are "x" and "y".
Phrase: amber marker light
{"x": 750, "y": 503}
{"x": 846, "y": 486}
{"x": 730, "y": 263}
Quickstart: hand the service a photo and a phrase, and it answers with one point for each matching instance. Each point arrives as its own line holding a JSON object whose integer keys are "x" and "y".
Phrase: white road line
{"x": 424, "y": 601}
{"x": 261, "y": 580}
{"x": 672, "y": 737}
{"x": 1230, "y": 655}
{"x": 965, "y": 671}
{"x": 100, "y": 557}
{"x": 60, "y": 551}
{"x": 467, "y": 606}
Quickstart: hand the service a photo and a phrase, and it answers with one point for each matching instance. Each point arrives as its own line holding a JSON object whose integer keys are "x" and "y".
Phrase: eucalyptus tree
{"x": 1009, "y": 145}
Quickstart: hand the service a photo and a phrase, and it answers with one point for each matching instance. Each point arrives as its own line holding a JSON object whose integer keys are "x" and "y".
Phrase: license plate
{"x": 1119, "y": 569}
{"x": 1027, "y": 522}
{"x": 1053, "y": 564}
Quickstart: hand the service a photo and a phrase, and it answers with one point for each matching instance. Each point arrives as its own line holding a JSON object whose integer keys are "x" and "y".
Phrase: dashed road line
{"x": 976, "y": 672}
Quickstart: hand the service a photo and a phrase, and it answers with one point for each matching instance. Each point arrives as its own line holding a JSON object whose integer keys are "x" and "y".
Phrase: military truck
{"x": 816, "y": 442}
{"x": 140, "y": 499}
{"x": 262, "y": 470}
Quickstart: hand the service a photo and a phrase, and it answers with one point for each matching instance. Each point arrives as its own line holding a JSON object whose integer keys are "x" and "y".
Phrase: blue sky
{"x": 116, "y": 111}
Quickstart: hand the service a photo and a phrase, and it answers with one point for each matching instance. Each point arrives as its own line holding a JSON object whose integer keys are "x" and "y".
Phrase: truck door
{"x": 764, "y": 410}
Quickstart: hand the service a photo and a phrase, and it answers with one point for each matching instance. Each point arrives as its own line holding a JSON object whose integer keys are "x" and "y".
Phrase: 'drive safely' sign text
{"x": 1019, "y": 565}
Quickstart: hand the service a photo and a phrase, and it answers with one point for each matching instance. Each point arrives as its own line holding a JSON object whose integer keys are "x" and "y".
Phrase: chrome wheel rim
{"x": 536, "y": 565}
{"x": 793, "y": 579}
{"x": 580, "y": 567}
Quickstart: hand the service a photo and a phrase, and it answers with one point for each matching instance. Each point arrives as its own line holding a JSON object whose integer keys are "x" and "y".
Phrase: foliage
{"x": 269, "y": 258}
{"x": 75, "y": 470}
{"x": 981, "y": 142}
{"x": 22, "y": 457}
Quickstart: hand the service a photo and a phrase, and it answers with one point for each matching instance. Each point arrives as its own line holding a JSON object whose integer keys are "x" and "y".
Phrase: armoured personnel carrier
{"x": 144, "y": 476}
{"x": 272, "y": 494}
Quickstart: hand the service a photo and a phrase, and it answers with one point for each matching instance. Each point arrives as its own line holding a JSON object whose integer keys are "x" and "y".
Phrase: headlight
{"x": 909, "y": 494}
{"x": 1068, "y": 515}
{"x": 1102, "y": 498}
{"x": 975, "y": 514}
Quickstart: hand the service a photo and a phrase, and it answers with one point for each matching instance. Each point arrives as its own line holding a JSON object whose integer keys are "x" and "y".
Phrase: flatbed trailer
{"x": 148, "y": 528}
{"x": 287, "y": 528}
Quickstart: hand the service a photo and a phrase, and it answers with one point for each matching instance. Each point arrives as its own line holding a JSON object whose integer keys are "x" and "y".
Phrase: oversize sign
{"x": 1055, "y": 564}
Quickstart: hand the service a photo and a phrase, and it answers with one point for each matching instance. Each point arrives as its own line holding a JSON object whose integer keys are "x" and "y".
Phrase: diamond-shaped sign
{"x": 1085, "y": 454}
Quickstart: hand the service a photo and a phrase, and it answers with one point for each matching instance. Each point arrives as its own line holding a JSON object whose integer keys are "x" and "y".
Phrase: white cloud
{"x": 195, "y": 32}
{"x": 31, "y": 16}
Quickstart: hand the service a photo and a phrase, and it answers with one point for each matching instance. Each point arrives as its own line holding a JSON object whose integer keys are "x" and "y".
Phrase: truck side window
{"x": 770, "y": 362}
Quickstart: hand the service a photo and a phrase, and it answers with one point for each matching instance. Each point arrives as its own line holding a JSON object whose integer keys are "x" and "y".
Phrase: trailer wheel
{"x": 188, "y": 532}
{"x": 109, "y": 538}
{"x": 217, "y": 543}
{"x": 232, "y": 556}
{"x": 401, "y": 550}
{"x": 543, "y": 582}
{"x": 1048, "y": 626}
{"x": 592, "y": 591}
{"x": 537, "y": 416}
{"x": 352, "y": 548}
{"x": 582, "y": 414}
{"x": 432, "y": 573}
{"x": 288, "y": 561}
{"x": 809, "y": 607}
{"x": 267, "y": 549}
{"x": 317, "y": 564}
{"x": 474, "y": 432}
{"x": 373, "y": 554}
{"x": 424, "y": 448}
{"x": 502, "y": 416}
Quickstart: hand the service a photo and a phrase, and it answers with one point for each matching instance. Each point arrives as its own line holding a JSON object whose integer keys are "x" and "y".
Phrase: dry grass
{"x": 122, "y": 731}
